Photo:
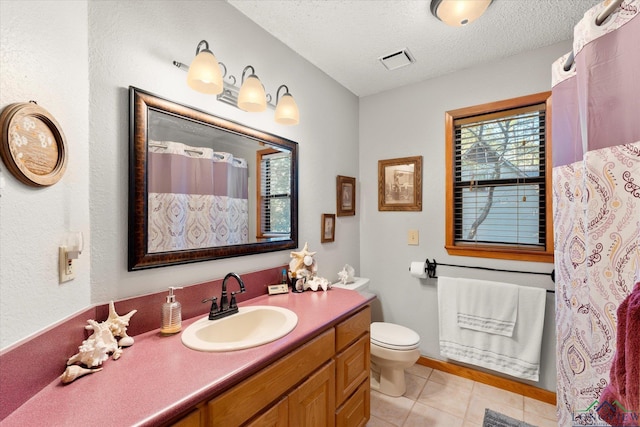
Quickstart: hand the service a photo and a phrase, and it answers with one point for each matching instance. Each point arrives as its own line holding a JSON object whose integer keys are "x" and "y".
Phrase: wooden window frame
{"x": 259, "y": 199}
{"x": 498, "y": 251}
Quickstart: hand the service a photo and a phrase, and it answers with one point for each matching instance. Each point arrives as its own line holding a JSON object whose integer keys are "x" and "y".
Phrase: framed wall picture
{"x": 346, "y": 195}
{"x": 33, "y": 145}
{"x": 328, "y": 232}
{"x": 400, "y": 184}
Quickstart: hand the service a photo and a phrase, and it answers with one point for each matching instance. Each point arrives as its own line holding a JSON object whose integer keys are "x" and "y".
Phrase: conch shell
{"x": 95, "y": 349}
{"x": 74, "y": 372}
{"x": 317, "y": 283}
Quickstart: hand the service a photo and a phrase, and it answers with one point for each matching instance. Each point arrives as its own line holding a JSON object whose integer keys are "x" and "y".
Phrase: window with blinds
{"x": 497, "y": 199}
{"x": 274, "y": 193}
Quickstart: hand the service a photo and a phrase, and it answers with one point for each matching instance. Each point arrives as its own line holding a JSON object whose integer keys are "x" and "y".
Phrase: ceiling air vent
{"x": 397, "y": 59}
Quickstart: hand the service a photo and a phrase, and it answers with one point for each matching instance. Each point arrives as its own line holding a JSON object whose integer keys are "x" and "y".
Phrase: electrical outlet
{"x": 66, "y": 269}
{"x": 413, "y": 237}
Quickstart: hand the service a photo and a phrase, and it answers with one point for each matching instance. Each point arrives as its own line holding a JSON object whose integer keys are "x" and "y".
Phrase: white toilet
{"x": 393, "y": 349}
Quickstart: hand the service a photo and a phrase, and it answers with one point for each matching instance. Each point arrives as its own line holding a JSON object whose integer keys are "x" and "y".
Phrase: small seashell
{"x": 117, "y": 353}
{"x": 126, "y": 341}
{"x": 74, "y": 372}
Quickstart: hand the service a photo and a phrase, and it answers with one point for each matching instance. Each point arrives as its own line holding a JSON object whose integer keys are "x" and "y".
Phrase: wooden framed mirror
{"x": 202, "y": 187}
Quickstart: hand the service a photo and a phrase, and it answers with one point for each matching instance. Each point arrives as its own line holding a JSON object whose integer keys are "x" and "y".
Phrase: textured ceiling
{"x": 345, "y": 38}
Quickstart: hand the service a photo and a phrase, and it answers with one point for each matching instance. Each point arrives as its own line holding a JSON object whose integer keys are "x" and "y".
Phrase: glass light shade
{"x": 459, "y": 12}
{"x": 204, "y": 73}
{"x": 287, "y": 111}
{"x": 252, "y": 97}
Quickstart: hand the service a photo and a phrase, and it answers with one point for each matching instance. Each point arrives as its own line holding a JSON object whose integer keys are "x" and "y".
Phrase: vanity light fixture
{"x": 252, "y": 96}
{"x": 207, "y": 75}
{"x": 458, "y": 13}
{"x": 286, "y": 108}
{"x": 204, "y": 72}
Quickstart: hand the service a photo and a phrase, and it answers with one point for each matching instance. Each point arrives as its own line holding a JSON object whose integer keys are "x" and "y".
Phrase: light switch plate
{"x": 282, "y": 288}
{"x": 413, "y": 237}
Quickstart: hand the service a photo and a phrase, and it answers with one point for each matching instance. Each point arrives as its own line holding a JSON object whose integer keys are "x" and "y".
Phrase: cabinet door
{"x": 312, "y": 404}
{"x": 237, "y": 405}
{"x": 352, "y": 368}
{"x": 277, "y": 416}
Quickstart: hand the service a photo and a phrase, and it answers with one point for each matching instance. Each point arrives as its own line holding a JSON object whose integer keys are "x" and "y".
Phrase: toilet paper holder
{"x": 430, "y": 269}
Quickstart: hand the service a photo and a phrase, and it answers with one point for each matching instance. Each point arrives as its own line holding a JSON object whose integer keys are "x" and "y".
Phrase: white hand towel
{"x": 518, "y": 355}
{"x": 487, "y": 306}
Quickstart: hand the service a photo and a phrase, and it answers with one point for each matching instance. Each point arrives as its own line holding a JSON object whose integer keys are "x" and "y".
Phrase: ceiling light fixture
{"x": 458, "y": 13}
{"x": 207, "y": 75}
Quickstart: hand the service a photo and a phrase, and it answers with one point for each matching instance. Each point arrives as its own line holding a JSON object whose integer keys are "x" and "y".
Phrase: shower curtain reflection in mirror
{"x": 198, "y": 198}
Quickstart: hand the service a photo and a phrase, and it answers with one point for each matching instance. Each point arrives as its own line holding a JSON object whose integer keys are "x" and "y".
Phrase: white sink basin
{"x": 250, "y": 327}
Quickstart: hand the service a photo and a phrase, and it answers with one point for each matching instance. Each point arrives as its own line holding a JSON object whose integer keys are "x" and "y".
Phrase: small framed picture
{"x": 400, "y": 184}
{"x": 328, "y": 232}
{"x": 346, "y": 195}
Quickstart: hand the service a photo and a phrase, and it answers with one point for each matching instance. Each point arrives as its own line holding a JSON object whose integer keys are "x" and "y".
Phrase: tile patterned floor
{"x": 438, "y": 399}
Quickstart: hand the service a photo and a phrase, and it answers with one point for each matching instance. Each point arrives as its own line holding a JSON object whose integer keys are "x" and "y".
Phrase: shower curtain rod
{"x": 608, "y": 10}
{"x": 432, "y": 265}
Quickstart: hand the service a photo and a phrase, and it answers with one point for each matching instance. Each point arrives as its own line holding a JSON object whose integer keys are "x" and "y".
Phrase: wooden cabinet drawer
{"x": 251, "y": 396}
{"x": 352, "y": 328}
{"x": 352, "y": 368}
{"x": 356, "y": 410}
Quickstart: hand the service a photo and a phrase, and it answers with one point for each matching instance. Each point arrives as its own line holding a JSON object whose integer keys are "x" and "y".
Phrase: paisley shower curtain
{"x": 596, "y": 196}
{"x": 198, "y": 198}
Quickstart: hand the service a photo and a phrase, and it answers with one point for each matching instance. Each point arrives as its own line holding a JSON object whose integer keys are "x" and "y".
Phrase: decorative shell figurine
{"x": 302, "y": 260}
{"x": 95, "y": 349}
{"x": 101, "y": 343}
{"x": 346, "y": 275}
{"x": 118, "y": 325}
{"x": 74, "y": 372}
{"x": 317, "y": 283}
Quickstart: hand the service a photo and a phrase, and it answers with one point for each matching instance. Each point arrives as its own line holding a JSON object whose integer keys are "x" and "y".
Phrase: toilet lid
{"x": 392, "y": 336}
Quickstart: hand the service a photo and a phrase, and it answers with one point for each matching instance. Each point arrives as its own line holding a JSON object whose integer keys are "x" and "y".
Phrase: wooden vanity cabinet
{"x": 323, "y": 383}
{"x": 192, "y": 419}
{"x": 352, "y": 370}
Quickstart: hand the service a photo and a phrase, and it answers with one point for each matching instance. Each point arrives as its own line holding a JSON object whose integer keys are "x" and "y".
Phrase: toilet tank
{"x": 360, "y": 284}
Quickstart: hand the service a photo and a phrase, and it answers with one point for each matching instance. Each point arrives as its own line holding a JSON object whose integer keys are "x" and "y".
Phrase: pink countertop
{"x": 158, "y": 377}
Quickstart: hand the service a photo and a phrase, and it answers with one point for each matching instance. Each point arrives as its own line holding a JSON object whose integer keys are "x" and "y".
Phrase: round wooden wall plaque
{"x": 33, "y": 145}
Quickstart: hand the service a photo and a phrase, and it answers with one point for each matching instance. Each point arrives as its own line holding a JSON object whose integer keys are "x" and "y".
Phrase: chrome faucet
{"x": 226, "y": 307}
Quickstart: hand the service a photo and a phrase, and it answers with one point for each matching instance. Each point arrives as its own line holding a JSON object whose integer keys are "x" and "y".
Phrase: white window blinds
{"x": 275, "y": 193}
{"x": 499, "y": 178}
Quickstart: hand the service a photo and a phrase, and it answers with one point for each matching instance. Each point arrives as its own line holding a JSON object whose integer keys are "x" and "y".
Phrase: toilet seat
{"x": 394, "y": 337}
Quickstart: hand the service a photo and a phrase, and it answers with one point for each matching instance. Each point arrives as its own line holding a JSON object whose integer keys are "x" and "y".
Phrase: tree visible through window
{"x": 274, "y": 193}
{"x": 498, "y": 180}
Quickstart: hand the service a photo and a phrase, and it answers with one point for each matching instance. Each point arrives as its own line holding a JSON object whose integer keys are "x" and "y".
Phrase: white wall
{"x": 43, "y": 58}
{"x": 408, "y": 122}
{"x": 134, "y": 43}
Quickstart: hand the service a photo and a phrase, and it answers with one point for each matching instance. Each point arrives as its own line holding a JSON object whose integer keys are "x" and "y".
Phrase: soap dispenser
{"x": 171, "y": 314}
